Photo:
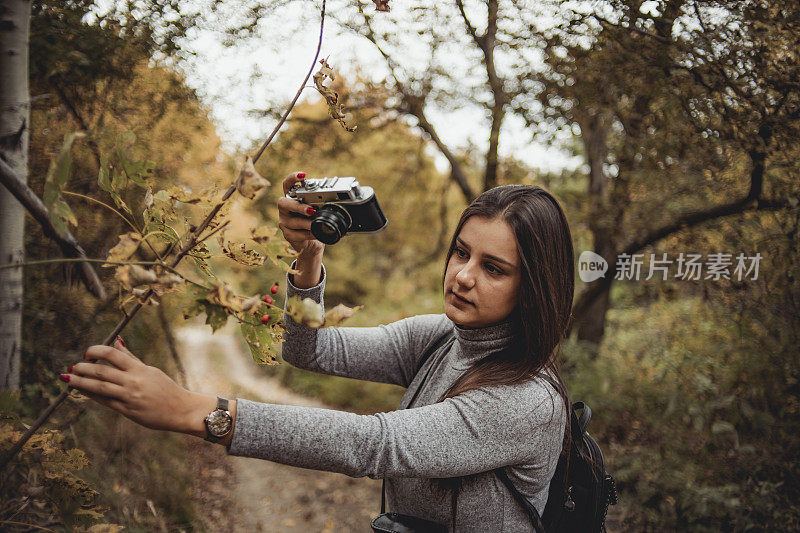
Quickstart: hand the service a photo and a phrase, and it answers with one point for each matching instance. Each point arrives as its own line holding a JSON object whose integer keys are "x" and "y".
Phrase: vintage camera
{"x": 342, "y": 205}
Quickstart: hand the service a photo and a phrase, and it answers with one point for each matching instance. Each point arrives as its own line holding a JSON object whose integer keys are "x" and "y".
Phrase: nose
{"x": 466, "y": 276}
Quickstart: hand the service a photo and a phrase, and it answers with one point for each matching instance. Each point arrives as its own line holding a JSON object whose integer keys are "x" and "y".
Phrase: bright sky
{"x": 269, "y": 68}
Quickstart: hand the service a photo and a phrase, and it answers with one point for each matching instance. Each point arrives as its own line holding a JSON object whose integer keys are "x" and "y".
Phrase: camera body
{"x": 342, "y": 206}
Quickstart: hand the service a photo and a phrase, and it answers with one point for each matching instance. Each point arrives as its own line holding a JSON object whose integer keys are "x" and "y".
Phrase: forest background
{"x": 684, "y": 114}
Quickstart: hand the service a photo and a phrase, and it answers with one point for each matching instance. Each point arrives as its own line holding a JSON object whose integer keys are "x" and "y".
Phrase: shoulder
{"x": 431, "y": 325}
{"x": 534, "y": 401}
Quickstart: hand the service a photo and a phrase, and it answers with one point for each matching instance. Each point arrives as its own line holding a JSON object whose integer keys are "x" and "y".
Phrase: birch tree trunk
{"x": 14, "y": 120}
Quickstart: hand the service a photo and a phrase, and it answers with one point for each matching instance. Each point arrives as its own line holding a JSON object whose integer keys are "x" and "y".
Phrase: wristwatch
{"x": 219, "y": 422}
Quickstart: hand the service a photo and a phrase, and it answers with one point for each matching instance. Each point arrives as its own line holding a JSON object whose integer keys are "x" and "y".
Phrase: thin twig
{"x": 104, "y": 261}
{"x": 214, "y": 231}
{"x": 34, "y": 526}
{"x": 193, "y": 236}
{"x": 88, "y": 260}
{"x": 296, "y": 96}
{"x": 123, "y": 217}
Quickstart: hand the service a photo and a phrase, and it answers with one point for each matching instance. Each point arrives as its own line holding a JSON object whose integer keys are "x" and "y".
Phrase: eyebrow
{"x": 488, "y": 256}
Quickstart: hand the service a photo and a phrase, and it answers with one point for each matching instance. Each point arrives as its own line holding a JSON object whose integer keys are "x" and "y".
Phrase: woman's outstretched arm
{"x": 473, "y": 432}
{"x": 142, "y": 393}
{"x": 386, "y": 353}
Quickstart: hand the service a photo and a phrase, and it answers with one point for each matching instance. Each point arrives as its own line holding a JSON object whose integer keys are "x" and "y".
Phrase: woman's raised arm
{"x": 386, "y": 354}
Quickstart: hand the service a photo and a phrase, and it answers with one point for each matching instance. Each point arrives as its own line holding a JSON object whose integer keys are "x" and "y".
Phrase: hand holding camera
{"x": 294, "y": 220}
{"x": 319, "y": 211}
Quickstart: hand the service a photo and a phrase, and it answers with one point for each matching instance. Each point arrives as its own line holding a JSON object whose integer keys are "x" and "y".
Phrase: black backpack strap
{"x": 427, "y": 355}
{"x": 586, "y": 415}
{"x": 533, "y": 514}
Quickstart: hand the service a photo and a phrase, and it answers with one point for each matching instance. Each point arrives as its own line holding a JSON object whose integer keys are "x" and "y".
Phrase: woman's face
{"x": 483, "y": 275}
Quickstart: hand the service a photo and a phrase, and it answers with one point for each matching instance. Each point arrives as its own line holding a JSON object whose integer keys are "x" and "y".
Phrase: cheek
{"x": 507, "y": 295}
{"x": 450, "y": 272}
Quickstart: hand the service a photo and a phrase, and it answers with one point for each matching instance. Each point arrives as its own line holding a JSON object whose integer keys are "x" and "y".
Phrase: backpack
{"x": 581, "y": 490}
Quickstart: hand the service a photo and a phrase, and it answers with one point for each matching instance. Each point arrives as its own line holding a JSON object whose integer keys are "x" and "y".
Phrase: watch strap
{"x": 222, "y": 403}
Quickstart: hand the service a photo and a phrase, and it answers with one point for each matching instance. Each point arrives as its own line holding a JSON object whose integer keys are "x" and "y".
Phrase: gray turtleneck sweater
{"x": 519, "y": 426}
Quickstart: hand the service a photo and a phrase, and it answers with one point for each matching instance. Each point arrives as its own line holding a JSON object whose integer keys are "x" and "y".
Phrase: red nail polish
{"x": 301, "y": 175}
{"x": 310, "y": 211}
{"x": 122, "y": 342}
{"x": 69, "y": 370}
{"x": 64, "y": 377}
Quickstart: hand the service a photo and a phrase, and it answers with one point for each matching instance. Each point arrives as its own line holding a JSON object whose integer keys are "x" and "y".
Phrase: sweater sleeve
{"x": 473, "y": 432}
{"x": 385, "y": 353}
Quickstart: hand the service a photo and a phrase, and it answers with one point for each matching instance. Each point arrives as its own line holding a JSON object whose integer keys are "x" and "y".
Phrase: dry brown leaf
{"x": 263, "y": 234}
{"x": 223, "y": 295}
{"x": 381, "y": 5}
{"x": 130, "y": 276}
{"x": 251, "y": 304}
{"x": 335, "y": 109}
{"x": 306, "y": 312}
{"x": 124, "y": 249}
{"x": 339, "y": 314}
{"x": 249, "y": 182}
{"x": 167, "y": 282}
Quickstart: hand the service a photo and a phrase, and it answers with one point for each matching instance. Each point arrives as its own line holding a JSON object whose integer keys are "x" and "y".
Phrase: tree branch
{"x": 69, "y": 246}
{"x": 414, "y": 105}
{"x": 688, "y": 220}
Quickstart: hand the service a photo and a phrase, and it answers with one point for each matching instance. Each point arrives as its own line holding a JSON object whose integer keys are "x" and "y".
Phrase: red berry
{"x": 268, "y": 299}
{"x": 265, "y": 319}
{"x": 274, "y": 289}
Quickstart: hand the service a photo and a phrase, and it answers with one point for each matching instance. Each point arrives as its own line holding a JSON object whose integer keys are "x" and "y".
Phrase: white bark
{"x": 14, "y": 120}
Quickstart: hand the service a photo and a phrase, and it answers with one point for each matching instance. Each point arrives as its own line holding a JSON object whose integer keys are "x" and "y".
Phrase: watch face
{"x": 219, "y": 423}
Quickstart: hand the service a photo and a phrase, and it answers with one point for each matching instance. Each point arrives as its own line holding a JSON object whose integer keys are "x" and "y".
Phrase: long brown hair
{"x": 547, "y": 285}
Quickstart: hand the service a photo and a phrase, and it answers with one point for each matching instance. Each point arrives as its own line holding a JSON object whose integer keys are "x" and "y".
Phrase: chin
{"x": 460, "y": 318}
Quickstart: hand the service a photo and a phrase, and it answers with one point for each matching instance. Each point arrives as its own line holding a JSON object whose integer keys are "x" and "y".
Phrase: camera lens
{"x": 331, "y": 223}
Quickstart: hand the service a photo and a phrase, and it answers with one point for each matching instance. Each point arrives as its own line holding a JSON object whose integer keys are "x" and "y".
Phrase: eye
{"x": 492, "y": 269}
{"x": 460, "y": 252}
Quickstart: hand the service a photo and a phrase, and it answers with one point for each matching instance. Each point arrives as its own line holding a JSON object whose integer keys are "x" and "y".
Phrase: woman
{"x": 508, "y": 287}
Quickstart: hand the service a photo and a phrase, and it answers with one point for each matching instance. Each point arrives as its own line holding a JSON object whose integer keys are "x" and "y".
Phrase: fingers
{"x": 112, "y": 355}
{"x": 291, "y": 179}
{"x": 119, "y": 344}
{"x": 297, "y": 236}
{"x": 98, "y": 372}
{"x": 94, "y": 386}
{"x": 288, "y": 207}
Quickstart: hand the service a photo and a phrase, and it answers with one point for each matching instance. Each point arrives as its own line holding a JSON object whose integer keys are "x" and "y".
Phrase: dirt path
{"x": 250, "y": 495}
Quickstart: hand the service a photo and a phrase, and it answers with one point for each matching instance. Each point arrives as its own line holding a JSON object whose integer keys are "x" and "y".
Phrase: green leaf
{"x": 136, "y": 171}
{"x": 262, "y": 341}
{"x": 58, "y": 173}
{"x": 216, "y": 315}
{"x": 103, "y": 177}
{"x": 57, "y": 177}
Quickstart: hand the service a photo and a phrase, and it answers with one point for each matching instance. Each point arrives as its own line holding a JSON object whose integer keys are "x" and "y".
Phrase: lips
{"x": 461, "y": 298}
